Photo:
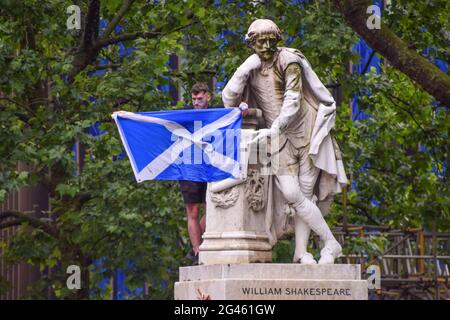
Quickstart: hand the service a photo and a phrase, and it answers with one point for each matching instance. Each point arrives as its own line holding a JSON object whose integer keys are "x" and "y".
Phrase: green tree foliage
{"x": 49, "y": 98}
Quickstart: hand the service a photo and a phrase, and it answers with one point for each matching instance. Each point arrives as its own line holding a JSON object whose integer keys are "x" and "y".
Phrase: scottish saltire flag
{"x": 196, "y": 145}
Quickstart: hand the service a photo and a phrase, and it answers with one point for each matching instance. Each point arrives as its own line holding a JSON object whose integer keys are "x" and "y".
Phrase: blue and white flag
{"x": 196, "y": 145}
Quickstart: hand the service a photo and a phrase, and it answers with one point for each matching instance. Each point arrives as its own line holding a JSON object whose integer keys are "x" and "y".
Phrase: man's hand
{"x": 202, "y": 295}
{"x": 121, "y": 113}
{"x": 244, "y": 109}
{"x": 253, "y": 62}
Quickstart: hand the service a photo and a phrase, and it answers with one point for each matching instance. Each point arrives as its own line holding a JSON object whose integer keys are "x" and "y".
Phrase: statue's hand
{"x": 263, "y": 134}
{"x": 253, "y": 62}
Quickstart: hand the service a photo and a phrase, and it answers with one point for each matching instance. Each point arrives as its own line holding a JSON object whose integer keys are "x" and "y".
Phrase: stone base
{"x": 271, "y": 281}
{"x": 234, "y": 256}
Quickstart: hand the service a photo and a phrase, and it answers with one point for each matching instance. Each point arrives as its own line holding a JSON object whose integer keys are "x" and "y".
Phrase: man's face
{"x": 200, "y": 100}
{"x": 265, "y": 46}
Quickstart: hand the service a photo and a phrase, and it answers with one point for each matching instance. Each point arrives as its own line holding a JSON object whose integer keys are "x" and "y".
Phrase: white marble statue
{"x": 299, "y": 112}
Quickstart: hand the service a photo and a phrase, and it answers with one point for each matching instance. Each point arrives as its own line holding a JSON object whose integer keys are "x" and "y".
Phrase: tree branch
{"x": 126, "y": 37}
{"x": 86, "y": 53}
{"x": 24, "y": 217}
{"x": 107, "y": 66}
{"x": 362, "y": 209}
{"x": 432, "y": 138}
{"x": 399, "y": 54}
{"x": 123, "y": 9}
{"x": 411, "y": 114}
{"x": 92, "y": 23}
{"x": 142, "y": 34}
{"x": 372, "y": 54}
{"x": 12, "y": 223}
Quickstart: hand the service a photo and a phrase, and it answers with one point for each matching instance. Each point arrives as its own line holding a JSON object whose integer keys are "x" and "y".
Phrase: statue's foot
{"x": 331, "y": 251}
{"x": 307, "y": 258}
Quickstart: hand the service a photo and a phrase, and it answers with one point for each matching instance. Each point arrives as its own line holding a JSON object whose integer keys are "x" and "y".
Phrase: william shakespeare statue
{"x": 299, "y": 113}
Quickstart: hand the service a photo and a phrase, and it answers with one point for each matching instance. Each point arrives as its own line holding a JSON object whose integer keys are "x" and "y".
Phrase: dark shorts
{"x": 193, "y": 192}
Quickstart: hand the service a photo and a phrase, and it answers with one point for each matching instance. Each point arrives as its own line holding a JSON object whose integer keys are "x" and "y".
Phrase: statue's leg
{"x": 294, "y": 162}
{"x": 302, "y": 232}
{"x": 307, "y": 179}
{"x": 310, "y": 213}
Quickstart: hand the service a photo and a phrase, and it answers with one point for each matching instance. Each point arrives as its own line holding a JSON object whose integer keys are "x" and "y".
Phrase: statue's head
{"x": 262, "y": 36}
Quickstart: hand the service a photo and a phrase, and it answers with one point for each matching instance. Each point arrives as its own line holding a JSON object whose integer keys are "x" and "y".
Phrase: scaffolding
{"x": 414, "y": 265}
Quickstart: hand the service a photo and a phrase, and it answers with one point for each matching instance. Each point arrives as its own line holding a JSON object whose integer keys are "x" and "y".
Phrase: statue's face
{"x": 265, "y": 46}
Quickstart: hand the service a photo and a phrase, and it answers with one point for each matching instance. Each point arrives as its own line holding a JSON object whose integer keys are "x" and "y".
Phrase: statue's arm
{"x": 292, "y": 98}
{"x": 232, "y": 93}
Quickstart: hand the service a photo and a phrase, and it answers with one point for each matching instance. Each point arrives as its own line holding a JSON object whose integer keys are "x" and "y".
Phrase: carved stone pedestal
{"x": 235, "y": 218}
{"x": 264, "y": 281}
{"x": 234, "y": 234}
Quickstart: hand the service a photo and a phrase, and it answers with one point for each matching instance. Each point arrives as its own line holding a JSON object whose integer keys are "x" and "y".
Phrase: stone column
{"x": 235, "y": 231}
